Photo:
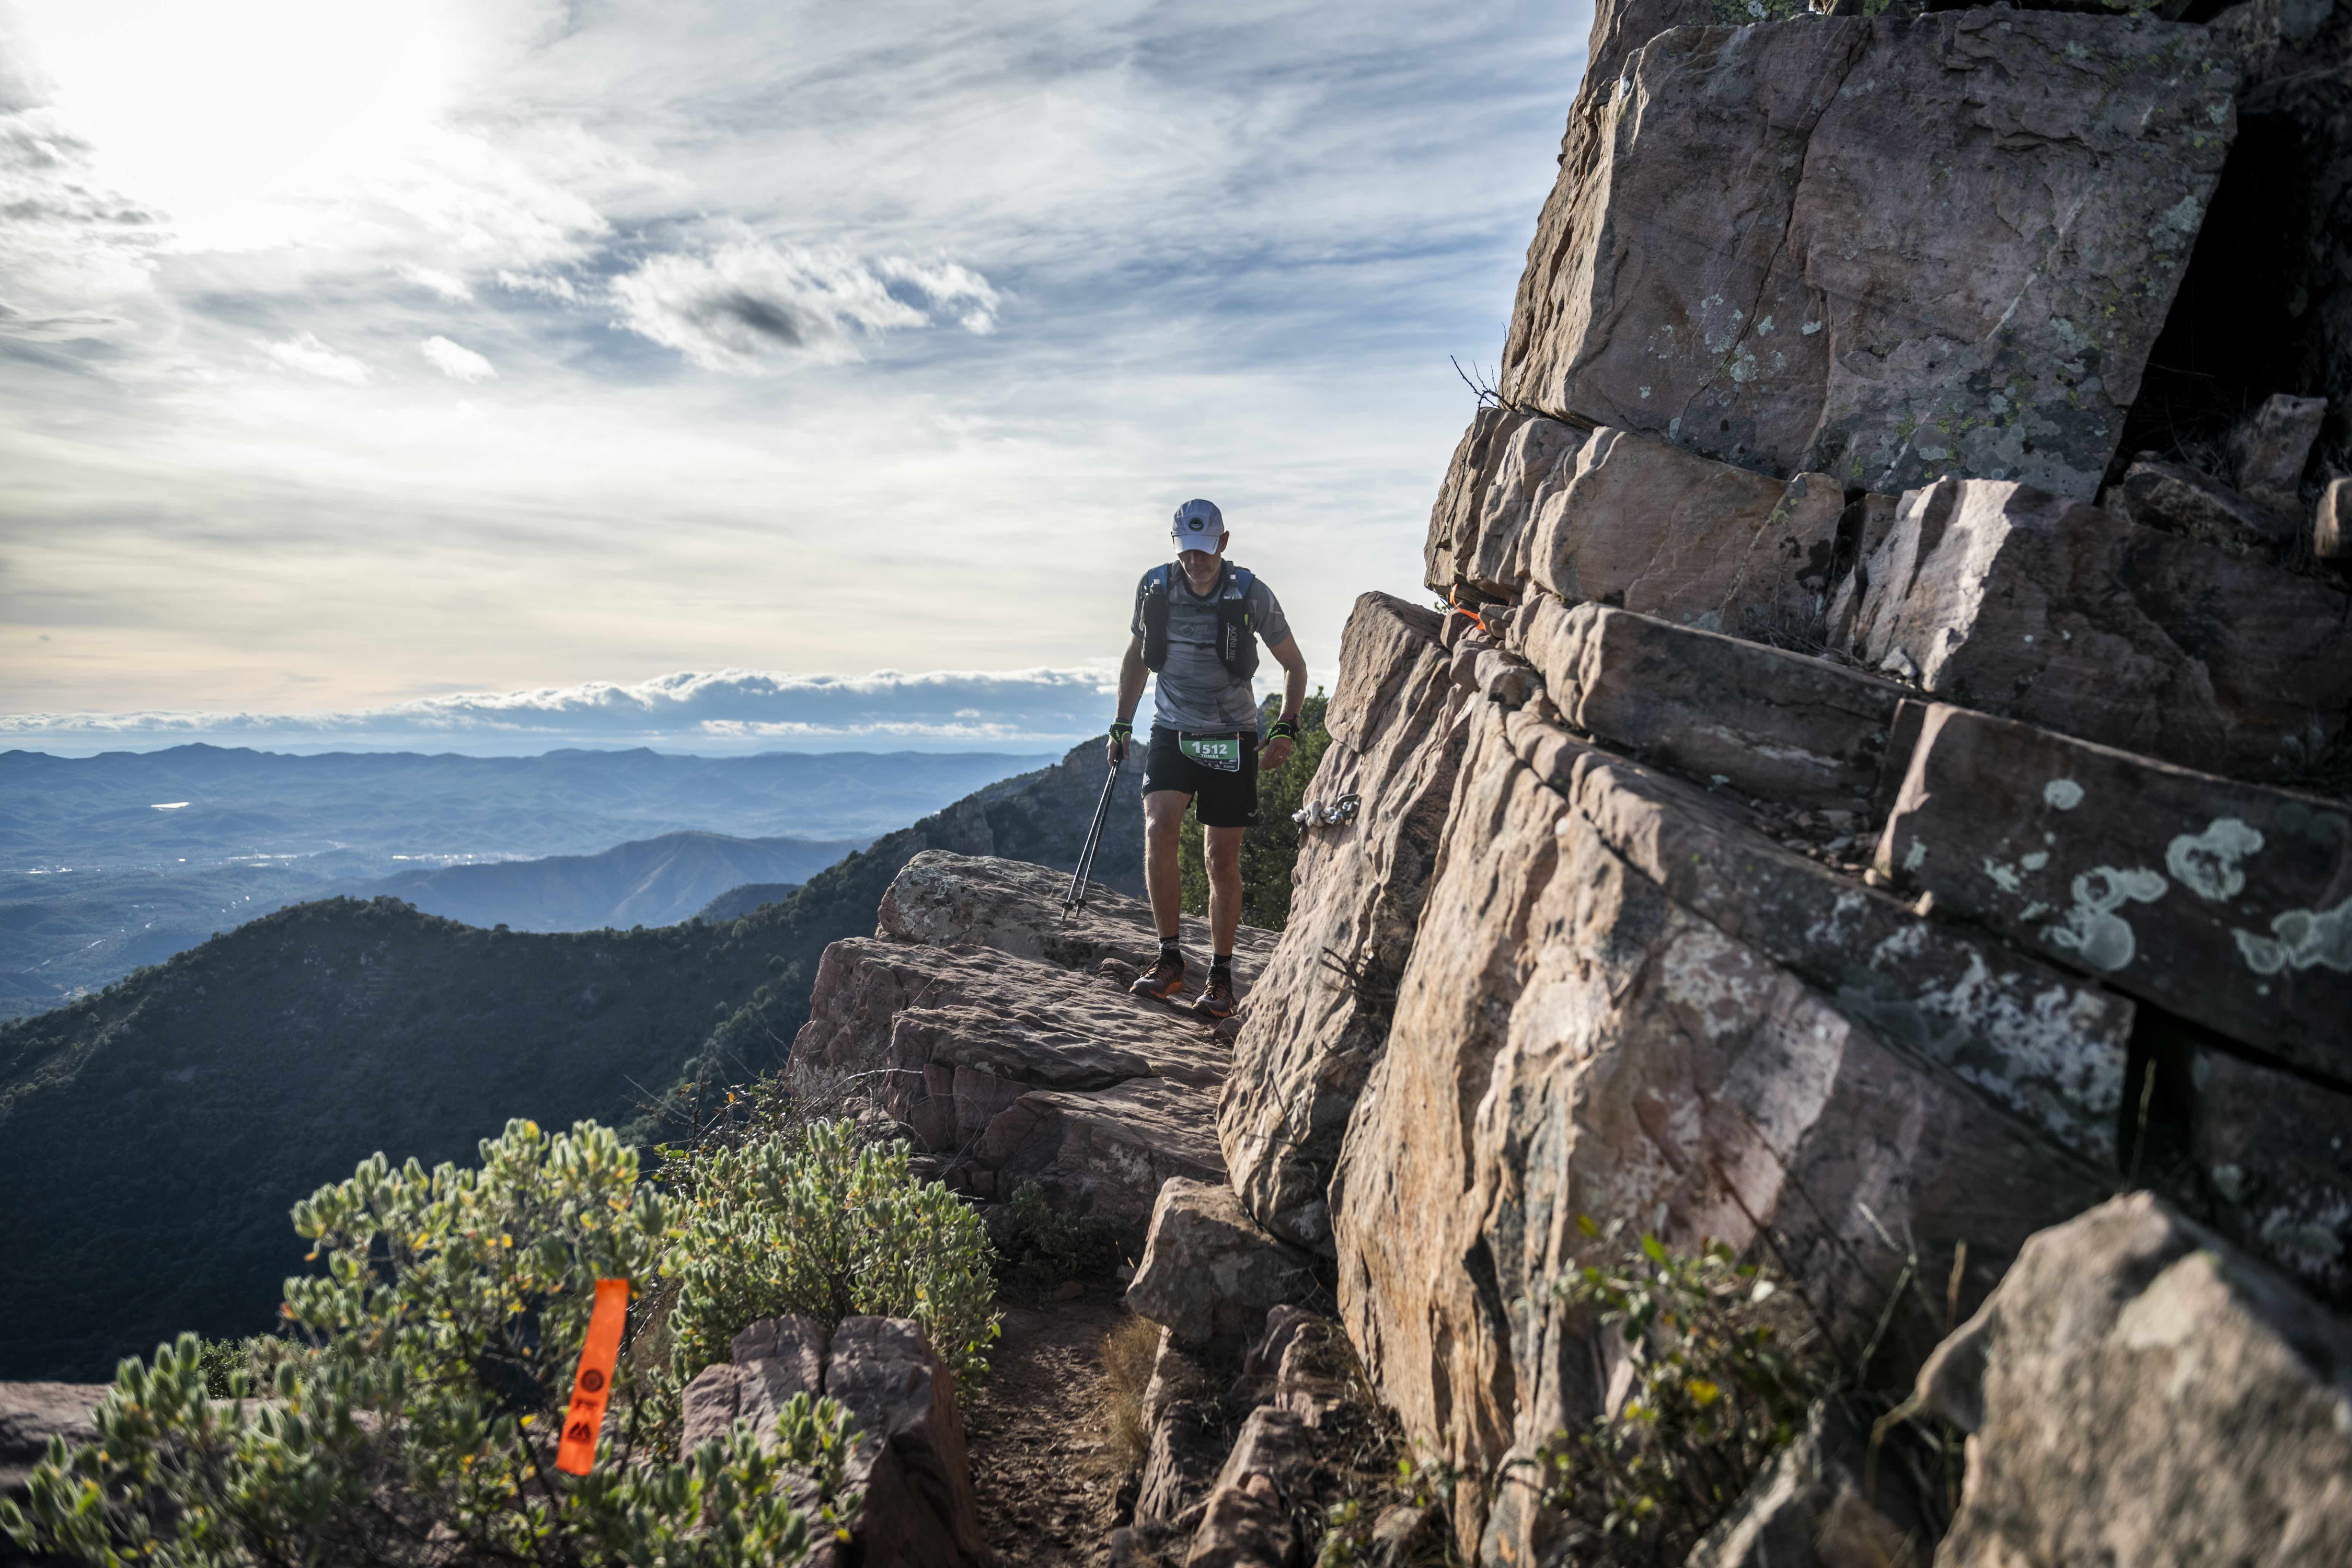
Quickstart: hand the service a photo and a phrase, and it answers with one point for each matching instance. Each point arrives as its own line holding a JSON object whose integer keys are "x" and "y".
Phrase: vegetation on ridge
{"x": 414, "y": 1420}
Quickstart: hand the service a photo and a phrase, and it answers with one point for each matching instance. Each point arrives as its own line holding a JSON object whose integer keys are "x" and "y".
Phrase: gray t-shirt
{"x": 1195, "y": 693}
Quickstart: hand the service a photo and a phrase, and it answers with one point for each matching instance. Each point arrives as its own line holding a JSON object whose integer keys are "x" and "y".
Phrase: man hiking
{"x": 1196, "y": 626}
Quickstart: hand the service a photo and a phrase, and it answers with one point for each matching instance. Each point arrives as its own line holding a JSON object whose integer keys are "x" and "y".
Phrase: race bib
{"x": 1221, "y": 753}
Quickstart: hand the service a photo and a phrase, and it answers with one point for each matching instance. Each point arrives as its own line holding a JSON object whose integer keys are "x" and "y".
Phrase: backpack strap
{"x": 1237, "y": 638}
{"x": 1155, "y": 619}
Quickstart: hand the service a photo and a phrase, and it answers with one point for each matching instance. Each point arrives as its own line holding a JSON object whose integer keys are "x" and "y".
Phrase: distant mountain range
{"x": 736, "y": 903}
{"x": 660, "y": 881}
{"x": 109, "y": 862}
{"x": 153, "y": 1135}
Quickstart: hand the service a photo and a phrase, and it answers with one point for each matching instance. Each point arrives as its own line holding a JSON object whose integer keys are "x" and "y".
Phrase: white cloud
{"x": 447, "y": 285}
{"x": 750, "y": 301}
{"x": 305, "y": 352}
{"x": 721, "y": 710}
{"x": 546, "y": 286}
{"x": 457, "y": 362}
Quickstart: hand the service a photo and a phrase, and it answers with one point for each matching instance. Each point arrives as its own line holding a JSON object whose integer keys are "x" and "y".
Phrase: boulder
{"x": 2178, "y": 499}
{"x": 1766, "y": 721}
{"x": 2137, "y": 1391}
{"x": 1187, "y": 1443}
{"x": 1570, "y": 1041}
{"x": 1809, "y": 301}
{"x": 2012, "y": 599}
{"x": 2270, "y": 448}
{"x": 909, "y": 1462}
{"x": 33, "y": 1413}
{"x": 941, "y": 899}
{"x": 2275, "y": 1153}
{"x": 1823, "y": 1504}
{"x": 771, "y": 1362}
{"x": 1267, "y": 1478}
{"x": 910, "y": 1465}
{"x": 2226, "y": 902}
{"x": 1636, "y": 522}
{"x": 1319, "y": 1016}
{"x": 1210, "y": 1273}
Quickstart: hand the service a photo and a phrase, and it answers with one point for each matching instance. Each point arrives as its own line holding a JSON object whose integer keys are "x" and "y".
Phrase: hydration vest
{"x": 1237, "y": 644}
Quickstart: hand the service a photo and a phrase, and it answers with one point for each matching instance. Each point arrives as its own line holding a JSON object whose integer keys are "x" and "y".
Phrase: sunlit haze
{"x": 500, "y": 375}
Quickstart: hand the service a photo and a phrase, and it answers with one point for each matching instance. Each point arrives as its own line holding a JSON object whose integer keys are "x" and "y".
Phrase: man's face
{"x": 1201, "y": 566}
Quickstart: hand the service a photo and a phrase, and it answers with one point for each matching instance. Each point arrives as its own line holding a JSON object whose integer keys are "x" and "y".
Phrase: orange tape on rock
{"x": 592, "y": 1386}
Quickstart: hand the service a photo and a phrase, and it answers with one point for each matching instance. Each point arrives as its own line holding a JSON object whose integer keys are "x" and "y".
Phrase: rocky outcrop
{"x": 1319, "y": 1020}
{"x": 987, "y": 1030}
{"x": 1571, "y": 1041}
{"x": 1827, "y": 293}
{"x": 30, "y": 1414}
{"x": 2010, "y": 599}
{"x": 1822, "y": 1503}
{"x": 1209, "y": 1274}
{"x": 2137, "y": 1391}
{"x": 909, "y": 1464}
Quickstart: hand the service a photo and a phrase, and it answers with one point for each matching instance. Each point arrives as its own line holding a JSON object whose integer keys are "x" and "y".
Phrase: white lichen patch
{"x": 2061, "y": 795}
{"x": 2207, "y": 863}
{"x": 2093, "y": 930}
{"x": 2301, "y": 938}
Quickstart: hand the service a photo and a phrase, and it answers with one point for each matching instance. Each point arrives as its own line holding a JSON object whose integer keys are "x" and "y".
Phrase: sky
{"x": 784, "y": 374}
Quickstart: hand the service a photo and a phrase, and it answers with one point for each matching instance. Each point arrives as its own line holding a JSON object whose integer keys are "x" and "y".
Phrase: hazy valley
{"x": 124, "y": 859}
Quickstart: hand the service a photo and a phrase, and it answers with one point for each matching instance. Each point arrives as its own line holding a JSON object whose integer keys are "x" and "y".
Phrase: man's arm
{"x": 1294, "y": 698}
{"x": 1131, "y": 675}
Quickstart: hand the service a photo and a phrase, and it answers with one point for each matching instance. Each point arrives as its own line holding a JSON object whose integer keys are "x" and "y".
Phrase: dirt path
{"x": 1040, "y": 1465}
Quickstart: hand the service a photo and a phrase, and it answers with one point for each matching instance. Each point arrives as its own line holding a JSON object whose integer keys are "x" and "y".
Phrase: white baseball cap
{"x": 1199, "y": 525}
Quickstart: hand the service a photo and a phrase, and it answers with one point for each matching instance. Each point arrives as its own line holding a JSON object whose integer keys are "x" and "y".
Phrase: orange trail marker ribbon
{"x": 592, "y": 1386}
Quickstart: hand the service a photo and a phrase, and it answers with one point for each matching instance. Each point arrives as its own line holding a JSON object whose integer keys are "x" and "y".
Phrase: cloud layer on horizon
{"x": 718, "y": 712}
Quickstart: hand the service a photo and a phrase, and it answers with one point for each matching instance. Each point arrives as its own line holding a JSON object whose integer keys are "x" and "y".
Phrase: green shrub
{"x": 1271, "y": 849}
{"x": 830, "y": 1230}
{"x": 1723, "y": 1369}
{"x": 420, "y": 1426}
{"x": 1045, "y": 1247}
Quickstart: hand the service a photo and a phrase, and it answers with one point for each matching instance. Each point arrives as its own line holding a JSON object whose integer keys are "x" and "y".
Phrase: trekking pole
{"x": 1076, "y": 899}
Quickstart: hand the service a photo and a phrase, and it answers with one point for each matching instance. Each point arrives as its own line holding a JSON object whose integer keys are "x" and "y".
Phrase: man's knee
{"x": 1222, "y": 848}
{"x": 1163, "y": 817}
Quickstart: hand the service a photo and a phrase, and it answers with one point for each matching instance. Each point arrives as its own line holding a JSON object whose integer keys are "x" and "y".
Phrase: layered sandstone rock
{"x": 1210, "y": 1274}
{"x": 2228, "y": 903}
{"x": 1012, "y": 1068}
{"x": 1318, "y": 1017}
{"x": 1571, "y": 1041}
{"x": 1776, "y": 255}
{"x": 2137, "y": 1392}
{"x": 2004, "y": 597}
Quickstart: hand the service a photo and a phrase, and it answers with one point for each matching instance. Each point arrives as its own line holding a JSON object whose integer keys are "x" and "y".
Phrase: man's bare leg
{"x": 1163, "y": 875}
{"x": 1221, "y": 847}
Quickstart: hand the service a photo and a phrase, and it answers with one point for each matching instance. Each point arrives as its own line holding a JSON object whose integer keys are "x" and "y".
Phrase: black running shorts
{"x": 1224, "y": 799}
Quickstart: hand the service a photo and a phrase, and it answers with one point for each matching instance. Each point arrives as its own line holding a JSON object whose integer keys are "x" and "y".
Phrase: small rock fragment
{"x": 2331, "y": 525}
{"x": 2271, "y": 449}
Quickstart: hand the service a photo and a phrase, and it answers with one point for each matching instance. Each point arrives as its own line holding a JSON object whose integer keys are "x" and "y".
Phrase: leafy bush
{"x": 1044, "y": 1246}
{"x": 831, "y": 1230}
{"x": 1723, "y": 1369}
{"x": 1271, "y": 849}
{"x": 444, "y": 1334}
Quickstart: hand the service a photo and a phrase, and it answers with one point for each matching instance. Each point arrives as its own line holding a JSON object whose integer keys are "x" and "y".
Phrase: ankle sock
{"x": 1221, "y": 967}
{"x": 1172, "y": 947}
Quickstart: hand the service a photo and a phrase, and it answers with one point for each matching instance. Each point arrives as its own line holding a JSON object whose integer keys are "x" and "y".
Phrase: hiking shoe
{"x": 1216, "y": 1000}
{"x": 1161, "y": 980}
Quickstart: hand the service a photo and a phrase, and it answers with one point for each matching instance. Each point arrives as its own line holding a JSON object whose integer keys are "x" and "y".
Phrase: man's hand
{"x": 1122, "y": 736}
{"x": 1279, "y": 741}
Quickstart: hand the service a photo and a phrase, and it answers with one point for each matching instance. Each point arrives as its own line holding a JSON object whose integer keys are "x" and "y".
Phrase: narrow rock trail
{"x": 1042, "y": 1467}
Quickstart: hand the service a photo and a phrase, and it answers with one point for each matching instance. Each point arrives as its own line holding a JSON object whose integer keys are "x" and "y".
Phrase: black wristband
{"x": 1120, "y": 731}
{"x": 1283, "y": 730}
